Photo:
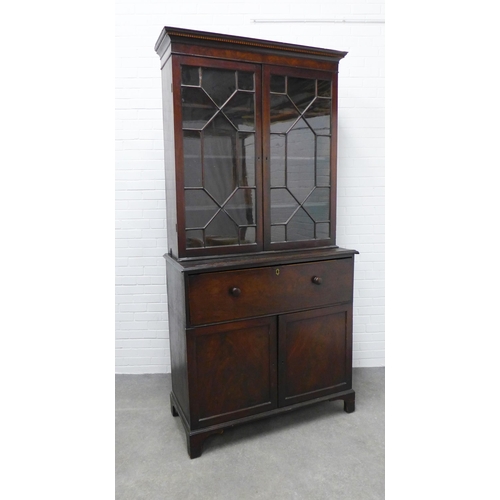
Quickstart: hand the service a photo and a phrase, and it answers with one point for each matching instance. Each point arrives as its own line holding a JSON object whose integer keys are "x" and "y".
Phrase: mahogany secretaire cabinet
{"x": 259, "y": 294}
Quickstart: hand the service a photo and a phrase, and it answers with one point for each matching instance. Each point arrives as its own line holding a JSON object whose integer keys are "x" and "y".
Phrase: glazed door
{"x": 232, "y": 370}
{"x": 315, "y": 349}
{"x": 217, "y": 117}
{"x": 299, "y": 140}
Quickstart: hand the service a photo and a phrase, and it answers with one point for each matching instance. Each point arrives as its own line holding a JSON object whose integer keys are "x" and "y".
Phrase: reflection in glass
{"x": 219, "y": 84}
{"x": 318, "y": 116}
{"x": 221, "y": 231}
{"x": 192, "y": 159}
{"x": 245, "y": 80}
{"x": 278, "y": 84}
{"x": 219, "y": 156}
{"x": 246, "y": 154}
{"x": 247, "y": 235}
{"x": 283, "y": 114}
{"x": 300, "y": 227}
{"x": 218, "y": 119}
{"x": 200, "y": 208}
{"x": 300, "y": 144}
{"x": 278, "y": 177}
{"x": 301, "y": 91}
{"x": 283, "y": 204}
{"x": 240, "y": 110}
{"x": 322, "y": 230}
{"x": 197, "y": 108}
{"x": 300, "y": 160}
{"x": 241, "y": 207}
{"x": 278, "y": 234}
{"x": 323, "y": 161}
{"x": 324, "y": 88}
{"x": 318, "y": 204}
{"x": 190, "y": 75}
{"x": 194, "y": 238}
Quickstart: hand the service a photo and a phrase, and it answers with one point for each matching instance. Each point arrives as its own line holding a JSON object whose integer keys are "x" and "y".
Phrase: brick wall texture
{"x": 142, "y": 340}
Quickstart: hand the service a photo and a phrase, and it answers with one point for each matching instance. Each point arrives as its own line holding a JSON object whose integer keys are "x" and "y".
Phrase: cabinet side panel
{"x": 169, "y": 156}
{"x": 177, "y": 334}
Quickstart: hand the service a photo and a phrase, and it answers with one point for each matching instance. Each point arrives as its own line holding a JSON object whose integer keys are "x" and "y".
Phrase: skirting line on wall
{"x": 374, "y": 21}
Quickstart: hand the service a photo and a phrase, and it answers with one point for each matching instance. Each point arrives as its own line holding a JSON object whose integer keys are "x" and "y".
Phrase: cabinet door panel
{"x": 218, "y": 159}
{"x": 299, "y": 139}
{"x": 234, "y": 370}
{"x": 315, "y": 349}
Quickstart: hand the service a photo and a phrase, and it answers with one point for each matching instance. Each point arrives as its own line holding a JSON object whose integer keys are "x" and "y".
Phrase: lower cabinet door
{"x": 232, "y": 371}
{"x": 315, "y": 353}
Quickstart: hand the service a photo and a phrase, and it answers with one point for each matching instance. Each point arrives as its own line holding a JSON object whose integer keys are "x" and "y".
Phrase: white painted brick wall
{"x": 142, "y": 344}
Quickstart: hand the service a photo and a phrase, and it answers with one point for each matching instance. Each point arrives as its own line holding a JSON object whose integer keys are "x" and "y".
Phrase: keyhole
{"x": 277, "y": 272}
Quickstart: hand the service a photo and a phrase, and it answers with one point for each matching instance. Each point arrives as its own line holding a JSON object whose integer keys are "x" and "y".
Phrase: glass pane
{"x": 283, "y": 114}
{"x": 241, "y": 207}
{"x": 247, "y": 235}
{"x": 192, "y": 159}
{"x": 240, "y": 110}
{"x": 221, "y": 231}
{"x": 278, "y": 233}
{"x": 219, "y": 159}
{"x": 300, "y": 227}
{"x": 318, "y": 116}
{"x": 218, "y": 120}
{"x": 219, "y": 84}
{"x": 197, "y": 108}
{"x": 318, "y": 204}
{"x": 200, "y": 208}
{"x": 278, "y": 84}
{"x": 245, "y": 80}
{"x": 190, "y": 75}
{"x": 322, "y": 161}
{"x": 282, "y": 206}
{"x": 301, "y": 91}
{"x": 300, "y": 160}
{"x": 324, "y": 88}
{"x": 246, "y": 155}
{"x": 322, "y": 231}
{"x": 278, "y": 160}
{"x": 194, "y": 239}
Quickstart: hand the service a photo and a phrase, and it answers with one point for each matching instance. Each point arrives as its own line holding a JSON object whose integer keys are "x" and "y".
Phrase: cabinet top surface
{"x": 171, "y": 34}
{"x": 258, "y": 260}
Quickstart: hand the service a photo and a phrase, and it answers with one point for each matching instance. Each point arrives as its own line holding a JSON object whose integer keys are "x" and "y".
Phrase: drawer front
{"x": 231, "y": 295}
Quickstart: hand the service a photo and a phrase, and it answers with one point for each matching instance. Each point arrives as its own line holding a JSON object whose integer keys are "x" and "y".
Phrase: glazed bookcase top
{"x": 250, "y": 143}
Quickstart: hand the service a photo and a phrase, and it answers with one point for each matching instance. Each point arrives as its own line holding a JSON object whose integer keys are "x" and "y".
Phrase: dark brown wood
{"x": 182, "y": 251}
{"x": 349, "y": 403}
{"x": 221, "y": 46}
{"x": 312, "y": 359}
{"x": 173, "y": 410}
{"x": 195, "y": 442}
{"x": 178, "y": 341}
{"x": 235, "y": 370}
{"x": 216, "y": 263}
{"x": 255, "y": 329}
{"x": 196, "y": 439}
{"x": 267, "y": 290}
{"x": 170, "y": 158}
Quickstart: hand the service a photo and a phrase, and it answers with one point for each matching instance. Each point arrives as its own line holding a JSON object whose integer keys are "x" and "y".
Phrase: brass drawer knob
{"x": 235, "y": 292}
{"x": 317, "y": 280}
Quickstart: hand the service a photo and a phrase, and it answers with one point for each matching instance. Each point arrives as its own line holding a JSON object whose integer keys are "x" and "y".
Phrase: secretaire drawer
{"x": 231, "y": 295}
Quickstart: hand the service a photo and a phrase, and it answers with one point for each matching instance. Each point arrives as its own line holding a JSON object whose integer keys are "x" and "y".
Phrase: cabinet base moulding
{"x": 196, "y": 439}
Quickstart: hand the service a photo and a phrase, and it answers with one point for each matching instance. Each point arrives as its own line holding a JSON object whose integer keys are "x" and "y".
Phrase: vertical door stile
{"x": 266, "y": 158}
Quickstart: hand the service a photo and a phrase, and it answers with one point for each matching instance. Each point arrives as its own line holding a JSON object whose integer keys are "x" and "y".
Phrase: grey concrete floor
{"x": 319, "y": 452}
